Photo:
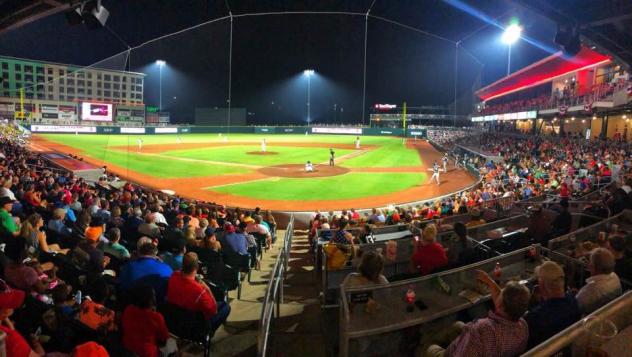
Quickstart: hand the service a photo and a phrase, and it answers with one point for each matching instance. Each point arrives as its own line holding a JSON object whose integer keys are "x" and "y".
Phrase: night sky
{"x": 270, "y": 52}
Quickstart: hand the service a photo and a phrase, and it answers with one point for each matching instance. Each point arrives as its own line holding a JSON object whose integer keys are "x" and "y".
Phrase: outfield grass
{"x": 347, "y": 186}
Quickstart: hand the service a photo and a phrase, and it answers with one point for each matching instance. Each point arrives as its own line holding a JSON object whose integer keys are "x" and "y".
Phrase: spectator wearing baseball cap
{"x": 97, "y": 262}
{"x": 8, "y": 226}
{"x": 15, "y": 344}
{"x": 556, "y": 310}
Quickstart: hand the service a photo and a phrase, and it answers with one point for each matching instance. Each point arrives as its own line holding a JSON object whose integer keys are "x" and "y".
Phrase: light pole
{"x": 308, "y": 73}
{"x": 160, "y": 64}
{"x": 510, "y": 36}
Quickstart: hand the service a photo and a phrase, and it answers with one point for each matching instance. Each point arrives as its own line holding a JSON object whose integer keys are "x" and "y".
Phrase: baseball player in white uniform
{"x": 435, "y": 173}
{"x": 263, "y": 146}
{"x": 444, "y": 159}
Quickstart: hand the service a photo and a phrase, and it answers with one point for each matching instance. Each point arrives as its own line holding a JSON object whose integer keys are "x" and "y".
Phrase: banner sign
{"x": 166, "y": 130}
{"x": 132, "y": 130}
{"x": 532, "y": 114}
{"x": 67, "y": 112}
{"x": 355, "y": 131}
{"x": 63, "y": 129}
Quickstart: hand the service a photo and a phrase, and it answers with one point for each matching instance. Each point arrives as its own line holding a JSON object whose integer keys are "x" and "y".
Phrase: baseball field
{"x": 233, "y": 170}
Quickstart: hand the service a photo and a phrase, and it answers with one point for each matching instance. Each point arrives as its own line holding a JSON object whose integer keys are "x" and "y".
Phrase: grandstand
{"x": 124, "y": 236}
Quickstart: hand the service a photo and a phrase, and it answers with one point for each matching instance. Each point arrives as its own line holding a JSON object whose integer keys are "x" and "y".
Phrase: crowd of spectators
{"x": 91, "y": 267}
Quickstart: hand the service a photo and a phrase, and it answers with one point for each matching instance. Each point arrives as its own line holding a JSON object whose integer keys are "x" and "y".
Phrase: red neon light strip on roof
{"x": 543, "y": 71}
{"x": 546, "y": 80}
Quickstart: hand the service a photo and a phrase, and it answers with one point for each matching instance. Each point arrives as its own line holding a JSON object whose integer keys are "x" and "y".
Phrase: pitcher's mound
{"x": 298, "y": 171}
{"x": 262, "y": 153}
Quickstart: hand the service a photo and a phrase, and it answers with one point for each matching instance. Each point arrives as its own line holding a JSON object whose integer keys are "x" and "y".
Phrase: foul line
{"x": 270, "y": 178}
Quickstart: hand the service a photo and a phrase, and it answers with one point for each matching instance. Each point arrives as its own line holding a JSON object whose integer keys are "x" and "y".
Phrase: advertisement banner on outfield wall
{"x": 67, "y": 112}
{"x": 350, "y": 131}
{"x": 417, "y": 132}
{"x": 166, "y": 130}
{"x": 63, "y": 129}
{"x": 185, "y": 130}
{"x": 132, "y": 130}
{"x": 265, "y": 130}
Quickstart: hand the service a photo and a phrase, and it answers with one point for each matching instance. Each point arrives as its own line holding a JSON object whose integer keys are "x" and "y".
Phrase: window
{"x": 29, "y": 95}
{"x": 116, "y": 86}
{"x": 81, "y": 83}
{"x": 5, "y": 65}
{"x": 70, "y": 97}
{"x": 50, "y": 97}
{"x": 18, "y": 77}
{"x": 99, "y": 84}
{"x": 81, "y": 75}
{"x": 40, "y": 78}
{"x": 107, "y": 85}
{"x": 107, "y": 77}
{"x": 99, "y": 76}
{"x": 117, "y": 78}
{"x": 89, "y": 91}
{"x": 61, "y": 89}
{"x": 71, "y": 82}
{"x": 116, "y": 95}
{"x": 61, "y": 72}
{"x": 80, "y": 90}
{"x": 5, "y": 75}
{"x": 28, "y": 77}
{"x": 28, "y": 69}
{"x": 40, "y": 95}
{"x": 124, "y": 79}
{"x": 61, "y": 97}
{"x": 139, "y": 88}
{"x": 139, "y": 96}
{"x": 71, "y": 90}
{"x": 49, "y": 71}
{"x": 49, "y": 79}
{"x": 99, "y": 93}
{"x": 50, "y": 88}
{"x": 5, "y": 85}
{"x": 17, "y": 67}
{"x": 89, "y": 83}
{"x": 107, "y": 93}
{"x": 124, "y": 95}
{"x": 61, "y": 81}
{"x": 124, "y": 86}
{"x": 89, "y": 75}
{"x": 39, "y": 70}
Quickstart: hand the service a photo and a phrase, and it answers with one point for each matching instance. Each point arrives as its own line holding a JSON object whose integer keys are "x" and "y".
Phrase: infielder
{"x": 332, "y": 156}
{"x": 357, "y": 142}
{"x": 445, "y": 162}
{"x": 309, "y": 167}
{"x": 263, "y": 146}
{"x": 435, "y": 173}
{"x": 139, "y": 141}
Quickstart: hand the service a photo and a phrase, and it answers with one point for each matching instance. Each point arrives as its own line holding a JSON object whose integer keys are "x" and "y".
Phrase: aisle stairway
{"x": 299, "y": 330}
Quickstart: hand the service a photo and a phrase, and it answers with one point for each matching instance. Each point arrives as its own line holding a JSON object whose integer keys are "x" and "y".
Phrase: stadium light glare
{"x": 512, "y": 34}
{"x": 161, "y": 63}
{"x": 308, "y": 72}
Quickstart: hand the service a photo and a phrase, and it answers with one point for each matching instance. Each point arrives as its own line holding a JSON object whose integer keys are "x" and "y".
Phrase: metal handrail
{"x": 274, "y": 291}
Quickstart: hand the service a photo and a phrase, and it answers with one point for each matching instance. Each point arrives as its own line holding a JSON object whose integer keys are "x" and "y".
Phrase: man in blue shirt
{"x": 147, "y": 264}
{"x": 237, "y": 241}
{"x": 556, "y": 310}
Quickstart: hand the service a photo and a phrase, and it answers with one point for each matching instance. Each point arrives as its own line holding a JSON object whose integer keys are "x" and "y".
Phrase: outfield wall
{"x": 150, "y": 130}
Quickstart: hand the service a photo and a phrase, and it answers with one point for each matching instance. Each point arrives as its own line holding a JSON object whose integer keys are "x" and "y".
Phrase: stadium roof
{"x": 606, "y": 24}
{"x": 543, "y": 71}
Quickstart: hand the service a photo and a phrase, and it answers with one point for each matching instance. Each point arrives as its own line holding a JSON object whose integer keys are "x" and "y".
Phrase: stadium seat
{"x": 188, "y": 325}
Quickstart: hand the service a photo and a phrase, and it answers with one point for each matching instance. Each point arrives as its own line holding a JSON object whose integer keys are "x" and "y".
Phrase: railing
{"x": 273, "y": 297}
{"x": 575, "y": 336}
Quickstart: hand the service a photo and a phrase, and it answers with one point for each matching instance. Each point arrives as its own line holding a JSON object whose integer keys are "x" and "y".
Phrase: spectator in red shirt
{"x": 14, "y": 344}
{"x": 144, "y": 329}
{"x": 188, "y": 291}
{"x": 429, "y": 255}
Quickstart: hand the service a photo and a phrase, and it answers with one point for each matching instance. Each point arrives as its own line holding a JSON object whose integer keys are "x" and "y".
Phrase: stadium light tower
{"x": 308, "y": 73}
{"x": 510, "y": 36}
{"x": 160, "y": 64}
